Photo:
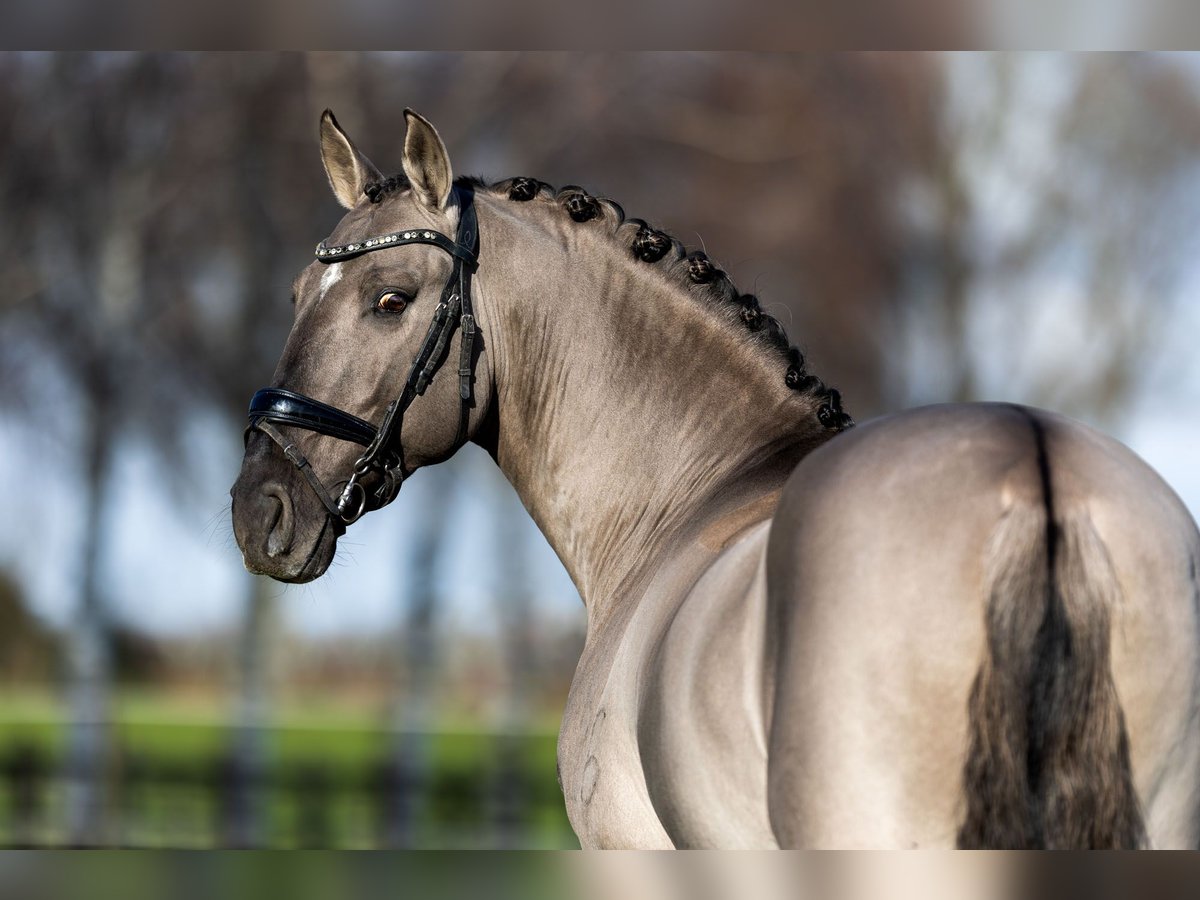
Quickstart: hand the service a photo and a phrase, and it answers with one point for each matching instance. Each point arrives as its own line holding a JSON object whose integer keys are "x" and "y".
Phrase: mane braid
{"x": 651, "y": 245}
{"x": 377, "y": 190}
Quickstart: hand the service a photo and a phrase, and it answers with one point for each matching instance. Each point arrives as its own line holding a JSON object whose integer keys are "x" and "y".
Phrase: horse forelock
{"x": 375, "y": 191}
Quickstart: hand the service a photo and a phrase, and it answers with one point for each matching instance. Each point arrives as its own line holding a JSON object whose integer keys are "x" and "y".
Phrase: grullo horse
{"x": 973, "y": 625}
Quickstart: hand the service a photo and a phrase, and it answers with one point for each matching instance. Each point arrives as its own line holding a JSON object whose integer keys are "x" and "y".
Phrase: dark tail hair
{"x": 1048, "y": 763}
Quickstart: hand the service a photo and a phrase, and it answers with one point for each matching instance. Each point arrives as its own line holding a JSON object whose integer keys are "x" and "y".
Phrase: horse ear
{"x": 426, "y": 163}
{"x": 348, "y": 169}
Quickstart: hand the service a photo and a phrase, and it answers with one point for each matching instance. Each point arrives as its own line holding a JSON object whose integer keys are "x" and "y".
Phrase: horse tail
{"x": 1048, "y": 759}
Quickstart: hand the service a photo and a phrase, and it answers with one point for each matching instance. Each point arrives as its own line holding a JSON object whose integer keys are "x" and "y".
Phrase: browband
{"x": 396, "y": 239}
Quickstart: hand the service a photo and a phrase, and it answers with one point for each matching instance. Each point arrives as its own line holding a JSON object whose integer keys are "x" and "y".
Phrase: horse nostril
{"x": 282, "y": 528}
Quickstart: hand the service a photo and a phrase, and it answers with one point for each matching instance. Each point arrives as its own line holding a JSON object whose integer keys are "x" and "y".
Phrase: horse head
{"x": 355, "y": 405}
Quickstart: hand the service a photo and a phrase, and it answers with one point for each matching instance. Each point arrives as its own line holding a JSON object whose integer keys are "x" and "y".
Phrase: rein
{"x": 384, "y": 454}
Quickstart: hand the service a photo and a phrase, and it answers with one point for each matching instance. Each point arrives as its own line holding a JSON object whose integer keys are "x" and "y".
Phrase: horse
{"x": 972, "y": 625}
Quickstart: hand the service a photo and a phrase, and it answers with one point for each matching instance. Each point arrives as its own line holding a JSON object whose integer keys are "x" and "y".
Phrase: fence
{"x": 498, "y": 794}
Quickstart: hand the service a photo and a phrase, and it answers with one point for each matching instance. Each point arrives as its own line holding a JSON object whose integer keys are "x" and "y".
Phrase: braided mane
{"x": 652, "y": 246}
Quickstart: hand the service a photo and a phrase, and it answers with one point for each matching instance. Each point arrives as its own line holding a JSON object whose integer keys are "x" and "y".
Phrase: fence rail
{"x": 219, "y": 800}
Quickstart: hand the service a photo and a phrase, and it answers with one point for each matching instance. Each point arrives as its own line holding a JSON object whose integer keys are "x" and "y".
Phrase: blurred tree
{"x": 139, "y": 191}
{"x": 1049, "y": 230}
{"x": 251, "y": 218}
{"x": 78, "y": 240}
{"x": 29, "y": 650}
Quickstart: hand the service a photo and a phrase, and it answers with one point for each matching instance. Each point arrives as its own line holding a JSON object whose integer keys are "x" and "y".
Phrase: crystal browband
{"x": 395, "y": 239}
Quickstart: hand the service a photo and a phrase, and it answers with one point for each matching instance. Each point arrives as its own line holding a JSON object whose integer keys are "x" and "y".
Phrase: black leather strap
{"x": 286, "y": 407}
{"x": 468, "y": 235}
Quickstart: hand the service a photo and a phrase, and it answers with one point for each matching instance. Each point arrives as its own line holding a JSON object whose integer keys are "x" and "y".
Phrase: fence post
{"x": 24, "y": 769}
{"x": 408, "y": 771}
{"x": 313, "y": 795}
{"x": 244, "y": 777}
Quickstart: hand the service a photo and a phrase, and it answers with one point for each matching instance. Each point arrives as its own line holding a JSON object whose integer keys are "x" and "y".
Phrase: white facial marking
{"x": 331, "y": 277}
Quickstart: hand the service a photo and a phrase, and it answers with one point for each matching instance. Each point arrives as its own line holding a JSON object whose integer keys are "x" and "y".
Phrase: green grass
{"x": 157, "y": 726}
{"x": 164, "y": 734}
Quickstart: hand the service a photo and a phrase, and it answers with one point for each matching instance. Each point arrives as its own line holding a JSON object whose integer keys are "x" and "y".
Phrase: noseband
{"x": 384, "y": 455}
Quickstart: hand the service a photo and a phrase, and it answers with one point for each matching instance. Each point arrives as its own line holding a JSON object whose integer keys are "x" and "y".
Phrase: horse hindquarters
{"x": 987, "y": 620}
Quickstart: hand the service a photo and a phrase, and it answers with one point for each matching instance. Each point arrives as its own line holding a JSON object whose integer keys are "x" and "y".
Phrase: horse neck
{"x": 626, "y": 411}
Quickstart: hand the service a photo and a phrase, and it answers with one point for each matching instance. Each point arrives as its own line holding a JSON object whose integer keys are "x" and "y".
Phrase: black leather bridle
{"x": 384, "y": 454}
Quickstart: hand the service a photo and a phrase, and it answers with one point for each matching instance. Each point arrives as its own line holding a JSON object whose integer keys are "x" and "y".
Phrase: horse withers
{"x": 973, "y": 625}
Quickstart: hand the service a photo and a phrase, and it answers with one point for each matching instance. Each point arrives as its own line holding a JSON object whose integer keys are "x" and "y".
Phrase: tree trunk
{"x": 89, "y": 663}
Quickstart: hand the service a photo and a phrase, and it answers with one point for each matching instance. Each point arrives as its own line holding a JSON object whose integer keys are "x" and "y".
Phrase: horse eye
{"x": 391, "y": 301}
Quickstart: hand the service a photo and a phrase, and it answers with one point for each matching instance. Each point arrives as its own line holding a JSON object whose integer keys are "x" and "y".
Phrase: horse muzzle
{"x": 282, "y": 532}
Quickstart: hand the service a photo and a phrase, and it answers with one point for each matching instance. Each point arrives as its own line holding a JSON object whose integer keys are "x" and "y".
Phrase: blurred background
{"x": 928, "y": 227}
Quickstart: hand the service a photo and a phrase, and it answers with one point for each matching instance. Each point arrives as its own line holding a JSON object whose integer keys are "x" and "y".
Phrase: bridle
{"x": 384, "y": 455}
